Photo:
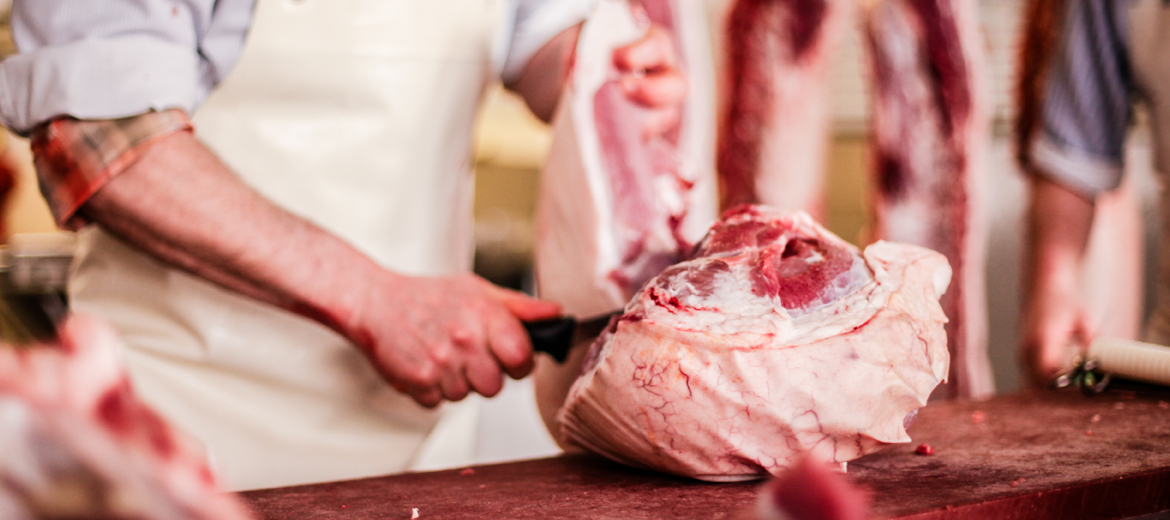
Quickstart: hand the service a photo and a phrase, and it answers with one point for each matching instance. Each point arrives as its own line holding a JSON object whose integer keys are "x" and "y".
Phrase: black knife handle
{"x": 552, "y": 336}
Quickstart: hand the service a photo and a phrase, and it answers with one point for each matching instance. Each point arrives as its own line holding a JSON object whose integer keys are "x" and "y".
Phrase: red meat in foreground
{"x": 775, "y": 339}
{"x": 75, "y": 442}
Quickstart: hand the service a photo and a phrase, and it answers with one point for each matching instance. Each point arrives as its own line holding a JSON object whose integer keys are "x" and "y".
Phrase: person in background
{"x": 1091, "y": 61}
{"x": 289, "y": 268}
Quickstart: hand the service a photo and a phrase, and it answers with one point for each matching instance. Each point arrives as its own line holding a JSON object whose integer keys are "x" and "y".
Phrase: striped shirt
{"x": 1086, "y": 98}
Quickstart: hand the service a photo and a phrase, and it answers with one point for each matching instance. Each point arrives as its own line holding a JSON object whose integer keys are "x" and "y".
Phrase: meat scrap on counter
{"x": 775, "y": 339}
{"x": 77, "y": 443}
{"x": 810, "y": 491}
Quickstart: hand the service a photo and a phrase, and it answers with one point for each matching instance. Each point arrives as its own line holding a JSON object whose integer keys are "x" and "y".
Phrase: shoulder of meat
{"x": 776, "y": 338}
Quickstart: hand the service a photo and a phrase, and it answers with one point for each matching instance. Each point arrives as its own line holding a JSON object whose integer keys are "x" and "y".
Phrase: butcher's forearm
{"x": 1059, "y": 222}
{"x": 1054, "y": 324}
{"x": 182, "y": 205}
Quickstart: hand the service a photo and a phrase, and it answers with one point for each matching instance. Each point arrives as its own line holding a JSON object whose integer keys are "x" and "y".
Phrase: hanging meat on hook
{"x": 930, "y": 129}
{"x": 774, "y": 125}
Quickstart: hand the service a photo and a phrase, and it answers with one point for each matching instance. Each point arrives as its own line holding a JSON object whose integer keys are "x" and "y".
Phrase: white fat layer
{"x": 732, "y": 308}
{"x": 942, "y": 279}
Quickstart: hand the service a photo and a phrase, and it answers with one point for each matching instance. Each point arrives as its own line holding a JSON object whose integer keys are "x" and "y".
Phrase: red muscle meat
{"x": 619, "y": 204}
{"x": 775, "y": 339}
{"x": 930, "y": 128}
{"x": 774, "y": 125}
{"x": 77, "y": 443}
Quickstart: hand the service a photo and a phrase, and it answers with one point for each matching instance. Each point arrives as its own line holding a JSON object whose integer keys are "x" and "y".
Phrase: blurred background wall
{"x": 511, "y": 146}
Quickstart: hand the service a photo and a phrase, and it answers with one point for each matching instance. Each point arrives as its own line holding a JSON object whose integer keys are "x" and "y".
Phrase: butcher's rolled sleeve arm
{"x": 97, "y": 80}
{"x": 1077, "y": 171}
{"x": 116, "y": 58}
{"x": 1087, "y": 107}
{"x": 76, "y": 158}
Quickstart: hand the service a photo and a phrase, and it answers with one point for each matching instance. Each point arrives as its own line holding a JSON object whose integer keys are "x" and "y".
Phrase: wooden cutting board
{"x": 1036, "y": 455}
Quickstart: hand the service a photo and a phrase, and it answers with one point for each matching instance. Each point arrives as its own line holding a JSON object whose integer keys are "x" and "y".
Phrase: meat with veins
{"x": 621, "y": 198}
{"x": 775, "y": 339}
{"x": 77, "y": 443}
{"x": 774, "y": 123}
{"x": 930, "y": 128}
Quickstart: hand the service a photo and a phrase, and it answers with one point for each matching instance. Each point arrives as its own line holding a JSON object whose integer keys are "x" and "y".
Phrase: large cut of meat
{"x": 777, "y": 338}
{"x": 76, "y": 443}
{"x": 618, "y": 204}
{"x": 930, "y": 127}
{"x": 774, "y": 122}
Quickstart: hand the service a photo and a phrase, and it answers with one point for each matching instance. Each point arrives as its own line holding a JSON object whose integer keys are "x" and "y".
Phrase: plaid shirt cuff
{"x": 75, "y": 158}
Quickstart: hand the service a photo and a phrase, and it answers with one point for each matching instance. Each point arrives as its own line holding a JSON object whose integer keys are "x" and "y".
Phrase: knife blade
{"x": 556, "y": 336}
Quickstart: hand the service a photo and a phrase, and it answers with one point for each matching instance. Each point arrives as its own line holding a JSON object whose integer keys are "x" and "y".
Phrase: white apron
{"x": 356, "y": 115}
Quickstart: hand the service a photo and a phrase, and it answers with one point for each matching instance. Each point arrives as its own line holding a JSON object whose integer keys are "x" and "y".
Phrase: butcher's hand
{"x": 651, "y": 77}
{"x": 441, "y": 338}
{"x": 1057, "y": 327}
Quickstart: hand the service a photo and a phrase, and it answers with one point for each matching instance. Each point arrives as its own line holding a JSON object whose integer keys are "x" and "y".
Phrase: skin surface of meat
{"x": 77, "y": 443}
{"x": 774, "y": 126}
{"x": 929, "y": 132}
{"x": 627, "y": 189}
{"x": 776, "y": 339}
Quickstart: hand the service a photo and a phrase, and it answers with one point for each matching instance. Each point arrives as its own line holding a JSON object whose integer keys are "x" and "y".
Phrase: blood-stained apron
{"x": 356, "y": 115}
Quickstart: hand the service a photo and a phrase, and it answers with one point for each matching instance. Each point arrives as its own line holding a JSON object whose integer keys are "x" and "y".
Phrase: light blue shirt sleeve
{"x": 110, "y": 59}
{"x": 1087, "y": 105}
{"x": 528, "y": 25}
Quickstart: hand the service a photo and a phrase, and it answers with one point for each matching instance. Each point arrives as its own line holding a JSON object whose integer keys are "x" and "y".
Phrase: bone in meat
{"x": 776, "y": 339}
{"x": 618, "y": 205}
{"x": 930, "y": 127}
{"x": 774, "y": 122}
{"x": 77, "y": 442}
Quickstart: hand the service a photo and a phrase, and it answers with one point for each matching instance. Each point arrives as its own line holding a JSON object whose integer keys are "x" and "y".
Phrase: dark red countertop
{"x": 1037, "y": 455}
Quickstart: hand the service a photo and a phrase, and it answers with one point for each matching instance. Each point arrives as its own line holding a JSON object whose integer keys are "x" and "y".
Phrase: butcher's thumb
{"x": 524, "y": 307}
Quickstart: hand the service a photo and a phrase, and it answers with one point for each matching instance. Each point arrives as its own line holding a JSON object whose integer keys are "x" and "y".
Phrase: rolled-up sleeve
{"x": 114, "y": 59}
{"x": 1086, "y": 109}
{"x": 531, "y": 24}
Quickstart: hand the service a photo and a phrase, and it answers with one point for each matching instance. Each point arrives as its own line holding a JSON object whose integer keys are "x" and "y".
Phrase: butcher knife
{"x": 556, "y": 336}
{"x": 1107, "y": 358}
